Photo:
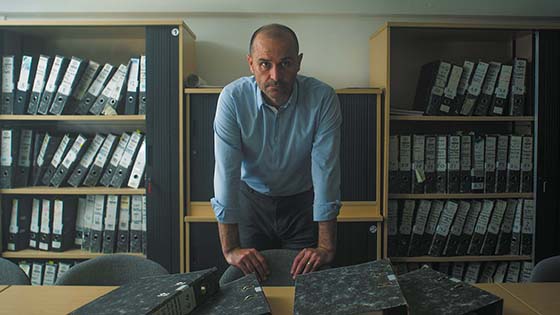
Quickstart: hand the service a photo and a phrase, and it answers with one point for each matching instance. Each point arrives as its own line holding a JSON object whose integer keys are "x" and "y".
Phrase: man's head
{"x": 274, "y": 59}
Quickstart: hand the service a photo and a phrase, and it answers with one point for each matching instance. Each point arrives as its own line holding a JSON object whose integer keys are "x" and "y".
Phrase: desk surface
{"x": 519, "y": 299}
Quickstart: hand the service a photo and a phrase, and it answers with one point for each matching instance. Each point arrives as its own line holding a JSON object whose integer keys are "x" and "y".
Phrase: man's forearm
{"x": 229, "y": 237}
{"x": 327, "y": 236}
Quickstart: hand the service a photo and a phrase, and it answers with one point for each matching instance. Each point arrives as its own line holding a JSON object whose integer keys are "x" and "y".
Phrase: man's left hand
{"x": 310, "y": 259}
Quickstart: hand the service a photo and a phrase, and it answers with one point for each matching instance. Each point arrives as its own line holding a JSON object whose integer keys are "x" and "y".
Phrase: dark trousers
{"x": 276, "y": 222}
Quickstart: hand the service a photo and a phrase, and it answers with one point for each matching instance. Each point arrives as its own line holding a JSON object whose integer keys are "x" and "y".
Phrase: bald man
{"x": 277, "y": 171}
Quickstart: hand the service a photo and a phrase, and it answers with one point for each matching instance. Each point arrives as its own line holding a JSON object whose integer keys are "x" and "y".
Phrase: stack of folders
{"x": 458, "y": 228}
{"x": 36, "y": 158}
{"x": 475, "y": 88}
{"x": 95, "y": 223}
{"x": 461, "y": 163}
{"x": 47, "y": 85}
{"x": 44, "y": 272}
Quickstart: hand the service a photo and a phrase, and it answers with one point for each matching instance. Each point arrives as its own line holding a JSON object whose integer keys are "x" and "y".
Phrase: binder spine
{"x": 527, "y": 164}
{"x": 405, "y": 227}
{"x": 514, "y": 164}
{"x": 447, "y": 106}
{"x": 109, "y": 232}
{"x": 79, "y": 93}
{"x": 393, "y": 163}
{"x": 69, "y": 80}
{"x": 125, "y": 164}
{"x": 115, "y": 159}
{"x": 456, "y": 229}
{"x": 518, "y": 88}
{"x": 24, "y": 84}
{"x": 466, "y": 164}
{"x": 443, "y": 227}
{"x": 71, "y": 158}
{"x": 490, "y": 164}
{"x": 94, "y": 90}
{"x": 468, "y": 67}
{"x": 55, "y": 76}
{"x": 418, "y": 228}
{"x": 485, "y": 97}
{"x": 500, "y": 100}
{"x": 131, "y": 107}
{"x": 454, "y": 164}
{"x": 43, "y": 68}
{"x": 430, "y": 165}
{"x": 504, "y": 236}
{"x": 436, "y": 93}
{"x": 433, "y": 219}
{"x": 475, "y": 247}
{"x": 474, "y": 89}
{"x": 527, "y": 227}
{"x": 123, "y": 239}
{"x": 418, "y": 174}
{"x": 477, "y": 172}
{"x": 491, "y": 238}
{"x": 8, "y": 85}
{"x": 82, "y": 167}
{"x": 501, "y": 163}
{"x": 404, "y": 181}
{"x": 142, "y": 87}
{"x": 8, "y": 157}
{"x": 110, "y": 95}
{"x": 61, "y": 151}
{"x": 468, "y": 228}
{"x": 441, "y": 165}
{"x": 24, "y": 158}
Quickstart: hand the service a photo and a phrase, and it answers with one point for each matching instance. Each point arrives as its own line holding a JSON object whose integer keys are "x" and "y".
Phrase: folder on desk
{"x": 528, "y": 227}
{"x": 9, "y": 81}
{"x": 430, "y": 87}
{"x": 25, "y": 157}
{"x": 103, "y": 155}
{"x": 111, "y": 94}
{"x": 466, "y": 164}
{"x": 64, "y": 224}
{"x": 96, "y": 232}
{"x": 468, "y": 228}
{"x": 80, "y": 91}
{"x": 393, "y": 163}
{"x": 477, "y": 172}
{"x": 456, "y": 230}
{"x": 131, "y": 100}
{"x": 448, "y": 105}
{"x": 468, "y": 70}
{"x": 474, "y": 89}
{"x": 404, "y": 181}
{"x": 514, "y": 164}
{"x": 20, "y": 219}
{"x": 475, "y": 247}
{"x": 94, "y": 90}
{"x": 518, "y": 88}
{"x": 515, "y": 245}
{"x": 430, "y": 292}
{"x": 35, "y": 224}
{"x": 45, "y": 232}
{"x": 405, "y": 227}
{"x": 422, "y": 213}
{"x": 441, "y": 164}
{"x": 485, "y": 98}
{"x": 490, "y": 164}
{"x": 114, "y": 160}
{"x": 527, "y": 164}
{"x": 360, "y": 289}
{"x": 8, "y": 156}
{"x": 137, "y": 173}
{"x": 55, "y": 77}
{"x": 48, "y": 146}
{"x": 504, "y": 237}
{"x": 442, "y": 230}
{"x": 501, "y": 93}
{"x": 43, "y": 69}
{"x": 123, "y": 234}
{"x": 59, "y": 154}
{"x": 242, "y": 296}
{"x": 136, "y": 224}
{"x": 491, "y": 238}
{"x": 110, "y": 225}
{"x": 436, "y": 209}
{"x": 83, "y": 166}
{"x": 418, "y": 154}
{"x": 142, "y": 87}
{"x": 501, "y": 163}
{"x": 74, "y": 71}
{"x": 430, "y": 165}
{"x": 23, "y": 88}
{"x": 49, "y": 276}
{"x": 164, "y": 294}
{"x": 392, "y": 227}
{"x": 37, "y": 273}
{"x": 453, "y": 164}
{"x": 88, "y": 221}
{"x": 144, "y": 226}
{"x": 69, "y": 161}
{"x": 125, "y": 164}
{"x": 80, "y": 222}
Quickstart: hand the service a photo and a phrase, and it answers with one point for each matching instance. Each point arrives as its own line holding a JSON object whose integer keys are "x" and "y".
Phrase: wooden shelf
{"x": 69, "y": 254}
{"x": 93, "y": 118}
{"x": 459, "y": 258}
{"x": 465, "y": 118}
{"x": 463, "y": 196}
{"x": 43, "y": 190}
{"x": 351, "y": 211}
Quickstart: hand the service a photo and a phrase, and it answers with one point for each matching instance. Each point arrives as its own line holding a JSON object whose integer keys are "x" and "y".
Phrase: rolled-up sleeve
{"x": 325, "y": 161}
{"x": 228, "y": 155}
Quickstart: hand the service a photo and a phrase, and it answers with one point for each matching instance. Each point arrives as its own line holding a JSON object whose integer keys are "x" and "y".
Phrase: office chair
{"x": 114, "y": 269}
{"x": 279, "y": 263}
{"x": 11, "y": 274}
{"x": 547, "y": 270}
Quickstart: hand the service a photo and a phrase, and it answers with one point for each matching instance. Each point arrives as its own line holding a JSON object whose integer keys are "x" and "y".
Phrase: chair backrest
{"x": 547, "y": 270}
{"x": 11, "y": 274}
{"x": 114, "y": 269}
{"x": 279, "y": 263}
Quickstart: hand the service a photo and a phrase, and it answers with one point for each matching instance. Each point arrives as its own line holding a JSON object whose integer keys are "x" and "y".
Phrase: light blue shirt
{"x": 277, "y": 152}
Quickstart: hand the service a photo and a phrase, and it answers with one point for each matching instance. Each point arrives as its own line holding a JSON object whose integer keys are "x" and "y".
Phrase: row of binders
{"x": 33, "y": 158}
{"x": 96, "y": 223}
{"x": 462, "y": 163}
{"x": 487, "y": 88}
{"x": 458, "y": 228}
{"x": 478, "y": 272}
{"x": 44, "y": 273}
{"x": 53, "y": 86}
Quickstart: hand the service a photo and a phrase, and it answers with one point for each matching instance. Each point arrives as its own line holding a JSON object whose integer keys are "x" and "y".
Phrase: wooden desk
{"x": 519, "y": 299}
{"x": 3, "y": 287}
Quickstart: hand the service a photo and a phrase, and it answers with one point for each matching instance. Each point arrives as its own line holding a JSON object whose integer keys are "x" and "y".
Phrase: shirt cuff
{"x": 326, "y": 211}
{"x": 224, "y": 214}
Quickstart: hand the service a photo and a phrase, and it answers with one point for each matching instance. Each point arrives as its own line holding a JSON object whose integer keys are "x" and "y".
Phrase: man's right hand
{"x": 249, "y": 260}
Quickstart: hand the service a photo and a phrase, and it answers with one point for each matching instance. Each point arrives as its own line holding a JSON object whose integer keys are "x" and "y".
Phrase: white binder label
{"x": 46, "y": 217}
{"x": 408, "y": 216}
{"x": 490, "y": 152}
{"x": 113, "y": 88}
{"x": 24, "y": 158}
{"x": 51, "y": 83}
{"x": 142, "y": 73}
{"x": 99, "y": 82}
{"x": 514, "y": 162}
{"x": 404, "y": 153}
{"x": 441, "y": 158}
{"x": 435, "y": 212}
{"x": 430, "y": 156}
{"x": 90, "y": 209}
{"x": 451, "y": 88}
{"x": 97, "y": 223}
{"x": 50, "y": 273}
{"x": 144, "y": 214}
{"x": 136, "y": 213}
{"x": 130, "y": 149}
{"x": 74, "y": 150}
{"x": 518, "y": 80}
{"x": 501, "y": 156}
{"x": 36, "y": 206}
{"x": 497, "y": 216}
{"x": 466, "y": 142}
{"x": 458, "y": 224}
{"x": 119, "y": 151}
{"x": 454, "y": 158}
{"x": 527, "y": 154}
{"x": 133, "y": 75}
{"x": 39, "y": 82}
{"x": 111, "y": 212}
{"x": 421, "y": 217}
{"x": 441, "y": 78}
{"x": 36, "y": 274}
{"x": 470, "y": 222}
{"x": 92, "y": 150}
{"x": 6, "y": 148}
{"x": 468, "y": 67}
{"x": 57, "y": 217}
{"x": 528, "y": 216}
{"x": 484, "y": 218}
{"x": 124, "y": 213}
{"x": 138, "y": 168}
{"x": 14, "y": 218}
{"x": 478, "y": 78}
{"x": 60, "y": 151}
{"x": 7, "y": 74}
{"x": 23, "y": 83}
{"x": 449, "y": 211}
{"x": 104, "y": 151}
{"x": 43, "y": 150}
{"x": 503, "y": 82}
{"x": 85, "y": 81}
{"x": 490, "y": 82}
{"x": 69, "y": 77}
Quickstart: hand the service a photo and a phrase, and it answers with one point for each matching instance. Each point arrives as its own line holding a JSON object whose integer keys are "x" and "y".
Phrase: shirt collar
{"x": 292, "y": 100}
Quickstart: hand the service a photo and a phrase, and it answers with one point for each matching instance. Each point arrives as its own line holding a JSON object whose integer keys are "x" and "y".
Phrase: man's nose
{"x": 275, "y": 73}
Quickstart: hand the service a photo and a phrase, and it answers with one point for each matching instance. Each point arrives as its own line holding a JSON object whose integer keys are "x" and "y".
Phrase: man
{"x": 277, "y": 139}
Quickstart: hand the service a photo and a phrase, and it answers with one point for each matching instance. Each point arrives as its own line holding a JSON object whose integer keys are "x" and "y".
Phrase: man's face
{"x": 275, "y": 64}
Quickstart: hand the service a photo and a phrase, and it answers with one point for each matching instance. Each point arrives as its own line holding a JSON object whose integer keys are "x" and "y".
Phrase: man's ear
{"x": 299, "y": 59}
{"x": 250, "y": 62}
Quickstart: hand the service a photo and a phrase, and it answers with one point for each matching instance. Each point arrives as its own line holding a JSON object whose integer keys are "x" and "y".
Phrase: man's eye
{"x": 286, "y": 64}
{"x": 264, "y": 65}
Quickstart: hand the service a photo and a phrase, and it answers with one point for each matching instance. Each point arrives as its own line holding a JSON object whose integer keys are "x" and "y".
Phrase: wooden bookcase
{"x": 169, "y": 49}
{"x": 397, "y": 53}
{"x": 360, "y": 214}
